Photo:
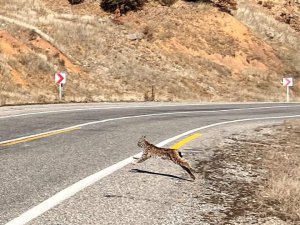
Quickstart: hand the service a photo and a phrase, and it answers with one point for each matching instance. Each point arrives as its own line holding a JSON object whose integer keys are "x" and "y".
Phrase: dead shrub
{"x": 268, "y": 4}
{"x": 73, "y": 2}
{"x": 34, "y": 63}
{"x": 167, "y": 2}
{"x": 148, "y": 32}
{"x": 123, "y": 5}
{"x": 4, "y": 70}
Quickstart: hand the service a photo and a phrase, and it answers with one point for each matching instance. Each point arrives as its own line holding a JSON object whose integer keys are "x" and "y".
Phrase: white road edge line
{"x": 140, "y": 116}
{"x": 78, "y": 186}
{"x": 129, "y": 107}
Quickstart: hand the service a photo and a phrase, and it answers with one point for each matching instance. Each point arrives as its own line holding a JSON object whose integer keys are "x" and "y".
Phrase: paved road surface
{"x": 34, "y": 170}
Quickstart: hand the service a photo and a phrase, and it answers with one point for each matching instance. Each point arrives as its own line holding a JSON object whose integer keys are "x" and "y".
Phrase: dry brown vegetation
{"x": 282, "y": 190}
{"x": 189, "y": 51}
{"x": 284, "y": 11}
{"x": 252, "y": 177}
{"x": 281, "y": 36}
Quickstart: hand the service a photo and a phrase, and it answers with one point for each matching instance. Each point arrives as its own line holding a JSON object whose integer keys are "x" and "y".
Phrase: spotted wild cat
{"x": 150, "y": 150}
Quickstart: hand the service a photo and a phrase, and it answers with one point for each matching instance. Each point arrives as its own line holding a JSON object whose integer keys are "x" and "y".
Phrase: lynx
{"x": 150, "y": 150}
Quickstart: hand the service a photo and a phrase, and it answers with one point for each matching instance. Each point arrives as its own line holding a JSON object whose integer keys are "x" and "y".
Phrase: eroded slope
{"x": 189, "y": 51}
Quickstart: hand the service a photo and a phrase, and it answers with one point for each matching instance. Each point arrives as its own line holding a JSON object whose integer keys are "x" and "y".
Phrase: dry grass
{"x": 188, "y": 52}
{"x": 281, "y": 35}
{"x": 34, "y": 63}
{"x": 4, "y": 70}
{"x": 282, "y": 190}
{"x": 5, "y": 78}
{"x": 284, "y": 185}
{"x": 266, "y": 25}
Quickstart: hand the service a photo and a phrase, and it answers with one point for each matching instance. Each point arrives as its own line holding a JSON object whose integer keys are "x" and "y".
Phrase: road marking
{"x": 128, "y": 107}
{"x": 78, "y": 186}
{"x": 179, "y": 144}
{"x": 97, "y": 108}
{"x": 35, "y": 137}
{"x": 143, "y": 115}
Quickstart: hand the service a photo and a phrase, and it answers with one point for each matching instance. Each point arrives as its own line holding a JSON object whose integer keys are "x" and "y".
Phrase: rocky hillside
{"x": 188, "y": 51}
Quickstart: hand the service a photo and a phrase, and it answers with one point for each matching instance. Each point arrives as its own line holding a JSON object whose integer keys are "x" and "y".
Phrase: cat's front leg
{"x": 142, "y": 159}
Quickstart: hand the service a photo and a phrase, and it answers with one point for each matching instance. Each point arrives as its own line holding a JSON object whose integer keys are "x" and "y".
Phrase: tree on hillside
{"x": 225, "y": 4}
{"x": 123, "y": 6}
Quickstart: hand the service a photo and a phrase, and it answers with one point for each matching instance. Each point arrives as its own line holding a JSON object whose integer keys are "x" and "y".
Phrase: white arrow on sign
{"x": 60, "y": 77}
{"x": 288, "y": 82}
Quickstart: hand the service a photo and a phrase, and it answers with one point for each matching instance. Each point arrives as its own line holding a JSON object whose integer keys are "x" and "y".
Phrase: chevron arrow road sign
{"x": 288, "y": 82}
{"x": 60, "y": 77}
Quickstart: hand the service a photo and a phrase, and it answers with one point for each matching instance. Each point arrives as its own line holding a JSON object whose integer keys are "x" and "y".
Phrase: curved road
{"x": 91, "y": 137}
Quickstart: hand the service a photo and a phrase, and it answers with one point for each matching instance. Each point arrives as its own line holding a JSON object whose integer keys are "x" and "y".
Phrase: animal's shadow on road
{"x": 159, "y": 174}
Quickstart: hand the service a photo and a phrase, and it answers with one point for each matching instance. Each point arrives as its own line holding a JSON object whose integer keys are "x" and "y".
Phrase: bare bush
{"x": 35, "y": 63}
{"x": 167, "y": 2}
{"x": 76, "y": 1}
{"x": 122, "y": 5}
{"x": 226, "y": 5}
{"x": 4, "y": 70}
{"x": 268, "y": 4}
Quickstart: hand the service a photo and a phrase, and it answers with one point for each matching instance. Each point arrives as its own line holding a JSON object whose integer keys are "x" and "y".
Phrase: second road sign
{"x": 288, "y": 82}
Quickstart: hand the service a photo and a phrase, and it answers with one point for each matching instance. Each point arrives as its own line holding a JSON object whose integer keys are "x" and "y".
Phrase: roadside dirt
{"x": 234, "y": 171}
{"x": 240, "y": 170}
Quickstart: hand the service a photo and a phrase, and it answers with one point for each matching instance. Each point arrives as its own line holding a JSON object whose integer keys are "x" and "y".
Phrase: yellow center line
{"x": 179, "y": 144}
{"x": 38, "y": 137}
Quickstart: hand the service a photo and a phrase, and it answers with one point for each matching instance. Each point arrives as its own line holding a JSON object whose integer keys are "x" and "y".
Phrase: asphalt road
{"x": 34, "y": 170}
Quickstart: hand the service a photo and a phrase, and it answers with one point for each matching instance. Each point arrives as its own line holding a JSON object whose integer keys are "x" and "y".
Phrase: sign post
{"x": 60, "y": 80}
{"x": 60, "y": 91}
{"x": 288, "y": 82}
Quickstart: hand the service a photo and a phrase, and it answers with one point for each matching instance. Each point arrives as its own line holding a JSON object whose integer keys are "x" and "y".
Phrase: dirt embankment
{"x": 28, "y": 67}
{"x": 189, "y": 51}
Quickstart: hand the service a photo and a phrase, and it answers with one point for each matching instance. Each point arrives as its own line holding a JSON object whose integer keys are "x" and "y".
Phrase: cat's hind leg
{"x": 188, "y": 169}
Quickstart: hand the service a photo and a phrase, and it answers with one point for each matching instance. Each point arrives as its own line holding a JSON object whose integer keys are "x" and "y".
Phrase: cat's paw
{"x": 193, "y": 177}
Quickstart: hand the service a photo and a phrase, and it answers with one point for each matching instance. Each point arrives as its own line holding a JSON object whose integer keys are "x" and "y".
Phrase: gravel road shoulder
{"x": 231, "y": 168}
